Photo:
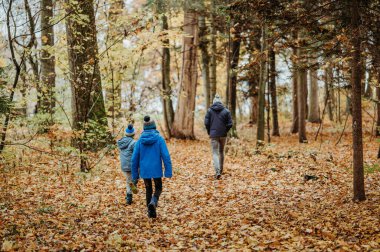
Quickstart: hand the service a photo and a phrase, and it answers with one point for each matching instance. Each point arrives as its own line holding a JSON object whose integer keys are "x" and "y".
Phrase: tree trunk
{"x": 183, "y": 126}
{"x": 328, "y": 93}
{"x": 313, "y": 115}
{"x": 213, "y": 53}
{"x": 273, "y": 92}
{"x": 295, "y": 123}
{"x": 203, "y": 46}
{"x": 261, "y": 91}
{"x": 233, "y": 79}
{"x": 165, "y": 73}
{"x": 87, "y": 98}
{"x": 378, "y": 107}
{"x": 301, "y": 97}
{"x": 356, "y": 67}
{"x": 253, "y": 85}
{"x": 47, "y": 60}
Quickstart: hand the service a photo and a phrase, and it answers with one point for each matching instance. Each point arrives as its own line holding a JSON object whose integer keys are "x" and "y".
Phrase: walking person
{"x": 218, "y": 122}
{"x": 126, "y": 146}
{"x": 150, "y": 151}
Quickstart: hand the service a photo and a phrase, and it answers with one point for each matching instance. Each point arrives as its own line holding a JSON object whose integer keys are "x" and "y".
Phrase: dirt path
{"x": 263, "y": 202}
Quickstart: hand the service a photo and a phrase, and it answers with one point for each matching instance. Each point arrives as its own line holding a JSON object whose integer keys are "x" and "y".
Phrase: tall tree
{"x": 261, "y": 91}
{"x": 165, "y": 70}
{"x": 213, "y": 53}
{"x": 329, "y": 96}
{"x": 183, "y": 125}
{"x": 273, "y": 92}
{"x": 205, "y": 57}
{"x": 87, "y": 98}
{"x": 314, "y": 112}
{"x": 356, "y": 72}
{"x": 301, "y": 91}
{"x": 294, "y": 128}
{"x": 235, "y": 54}
{"x": 47, "y": 60}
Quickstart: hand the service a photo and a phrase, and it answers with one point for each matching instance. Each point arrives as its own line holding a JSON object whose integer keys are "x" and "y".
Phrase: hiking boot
{"x": 152, "y": 213}
{"x": 217, "y": 176}
{"x": 129, "y": 199}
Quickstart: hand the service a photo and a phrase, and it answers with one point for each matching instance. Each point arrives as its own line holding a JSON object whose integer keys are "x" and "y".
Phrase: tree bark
{"x": 314, "y": 112}
{"x": 378, "y": 107}
{"x": 183, "y": 126}
{"x": 47, "y": 60}
{"x": 165, "y": 73}
{"x": 87, "y": 98}
{"x": 273, "y": 92}
{"x": 295, "y": 120}
{"x": 205, "y": 62}
{"x": 301, "y": 97}
{"x": 213, "y": 54}
{"x": 261, "y": 91}
{"x": 356, "y": 68}
{"x": 233, "y": 79}
{"x": 253, "y": 85}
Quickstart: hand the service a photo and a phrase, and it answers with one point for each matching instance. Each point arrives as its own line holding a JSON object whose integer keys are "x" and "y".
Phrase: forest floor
{"x": 263, "y": 202}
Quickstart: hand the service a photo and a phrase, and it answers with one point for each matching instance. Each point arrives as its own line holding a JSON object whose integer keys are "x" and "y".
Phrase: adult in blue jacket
{"x": 218, "y": 122}
{"x": 149, "y": 153}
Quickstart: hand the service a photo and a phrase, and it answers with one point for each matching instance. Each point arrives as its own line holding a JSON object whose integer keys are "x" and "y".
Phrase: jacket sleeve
{"x": 166, "y": 159}
{"x": 136, "y": 161}
{"x": 207, "y": 121}
{"x": 229, "y": 122}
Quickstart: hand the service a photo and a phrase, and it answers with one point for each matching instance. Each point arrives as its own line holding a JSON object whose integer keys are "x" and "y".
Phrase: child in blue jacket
{"x": 150, "y": 151}
{"x": 126, "y": 146}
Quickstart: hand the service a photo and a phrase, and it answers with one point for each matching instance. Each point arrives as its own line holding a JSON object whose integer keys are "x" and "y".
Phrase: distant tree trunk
{"x": 113, "y": 91}
{"x": 183, "y": 126}
{"x": 273, "y": 92}
{"x": 47, "y": 60}
{"x": 233, "y": 78}
{"x": 253, "y": 85}
{"x": 261, "y": 91}
{"x": 313, "y": 115}
{"x": 301, "y": 91}
{"x": 368, "y": 91}
{"x": 87, "y": 97}
{"x": 328, "y": 93}
{"x": 378, "y": 107}
{"x": 205, "y": 62}
{"x": 213, "y": 53}
{"x": 356, "y": 67}
{"x": 295, "y": 118}
{"x": 165, "y": 74}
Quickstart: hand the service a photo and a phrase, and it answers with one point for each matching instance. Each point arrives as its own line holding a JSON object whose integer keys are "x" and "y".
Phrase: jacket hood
{"x": 217, "y": 106}
{"x": 124, "y": 142}
{"x": 149, "y": 137}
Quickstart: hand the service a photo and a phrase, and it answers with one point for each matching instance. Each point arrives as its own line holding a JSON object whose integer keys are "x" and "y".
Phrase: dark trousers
{"x": 149, "y": 189}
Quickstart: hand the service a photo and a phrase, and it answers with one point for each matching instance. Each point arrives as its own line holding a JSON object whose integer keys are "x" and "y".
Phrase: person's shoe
{"x": 152, "y": 212}
{"x": 129, "y": 199}
{"x": 217, "y": 176}
{"x": 134, "y": 187}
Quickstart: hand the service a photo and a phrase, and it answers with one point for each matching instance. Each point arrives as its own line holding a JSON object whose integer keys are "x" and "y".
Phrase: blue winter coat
{"x": 150, "y": 151}
{"x": 218, "y": 120}
{"x": 126, "y": 146}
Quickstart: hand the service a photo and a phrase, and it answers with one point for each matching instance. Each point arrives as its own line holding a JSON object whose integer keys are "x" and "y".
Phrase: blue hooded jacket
{"x": 150, "y": 151}
{"x": 126, "y": 146}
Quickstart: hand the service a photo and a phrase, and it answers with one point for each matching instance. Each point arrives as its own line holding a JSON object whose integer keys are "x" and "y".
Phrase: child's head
{"x": 149, "y": 123}
{"x": 130, "y": 131}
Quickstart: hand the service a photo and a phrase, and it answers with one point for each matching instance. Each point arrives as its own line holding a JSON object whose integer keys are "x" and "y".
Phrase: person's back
{"x": 150, "y": 151}
{"x": 218, "y": 122}
{"x": 126, "y": 146}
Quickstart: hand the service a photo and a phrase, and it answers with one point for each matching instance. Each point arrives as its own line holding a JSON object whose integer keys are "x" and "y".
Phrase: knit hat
{"x": 217, "y": 99}
{"x": 130, "y": 131}
{"x": 149, "y": 123}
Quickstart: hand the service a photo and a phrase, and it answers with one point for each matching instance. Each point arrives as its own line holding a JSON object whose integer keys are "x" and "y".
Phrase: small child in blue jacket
{"x": 126, "y": 146}
{"x": 150, "y": 151}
